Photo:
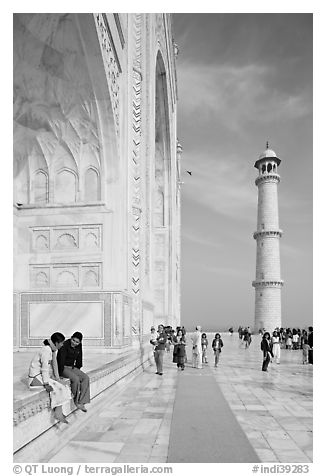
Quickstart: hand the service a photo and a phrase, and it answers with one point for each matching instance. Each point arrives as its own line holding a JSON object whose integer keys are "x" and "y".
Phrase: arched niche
{"x": 162, "y": 144}
{"x": 65, "y": 186}
{"x": 40, "y": 187}
{"x": 92, "y": 191}
{"x": 91, "y": 175}
{"x": 39, "y": 184}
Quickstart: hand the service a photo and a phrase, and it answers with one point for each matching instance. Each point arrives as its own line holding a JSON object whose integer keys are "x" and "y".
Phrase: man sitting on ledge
{"x": 70, "y": 361}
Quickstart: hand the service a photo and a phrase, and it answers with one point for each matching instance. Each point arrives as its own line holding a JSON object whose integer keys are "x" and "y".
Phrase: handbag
{"x": 195, "y": 350}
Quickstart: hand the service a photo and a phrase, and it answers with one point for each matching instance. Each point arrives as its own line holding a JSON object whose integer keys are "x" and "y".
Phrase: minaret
{"x": 268, "y": 283}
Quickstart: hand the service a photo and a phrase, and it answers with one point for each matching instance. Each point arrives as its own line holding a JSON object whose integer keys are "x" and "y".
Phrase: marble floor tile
{"x": 289, "y": 456}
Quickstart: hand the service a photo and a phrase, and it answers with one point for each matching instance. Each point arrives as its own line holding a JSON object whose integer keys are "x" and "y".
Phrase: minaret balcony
{"x": 267, "y": 284}
{"x": 269, "y": 177}
{"x": 270, "y": 233}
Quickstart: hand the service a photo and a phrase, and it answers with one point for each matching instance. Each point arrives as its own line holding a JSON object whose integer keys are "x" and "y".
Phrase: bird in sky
{"x": 189, "y": 172}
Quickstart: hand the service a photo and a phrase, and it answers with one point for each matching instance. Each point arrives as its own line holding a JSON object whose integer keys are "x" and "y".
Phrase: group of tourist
{"x": 284, "y": 338}
{"x": 60, "y": 358}
{"x": 245, "y": 336}
{"x": 57, "y": 359}
{"x": 162, "y": 338}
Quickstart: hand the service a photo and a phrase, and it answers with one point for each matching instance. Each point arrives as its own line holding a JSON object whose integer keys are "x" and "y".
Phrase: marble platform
{"x": 35, "y": 429}
{"x": 274, "y": 410}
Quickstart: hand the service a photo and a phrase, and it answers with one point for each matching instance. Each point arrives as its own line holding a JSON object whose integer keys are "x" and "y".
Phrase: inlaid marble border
{"x": 27, "y": 298}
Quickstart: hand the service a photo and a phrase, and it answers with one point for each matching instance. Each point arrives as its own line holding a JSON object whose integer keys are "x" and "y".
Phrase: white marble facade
{"x": 96, "y": 194}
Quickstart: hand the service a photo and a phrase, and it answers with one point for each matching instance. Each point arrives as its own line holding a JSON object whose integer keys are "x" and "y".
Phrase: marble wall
{"x": 95, "y": 216}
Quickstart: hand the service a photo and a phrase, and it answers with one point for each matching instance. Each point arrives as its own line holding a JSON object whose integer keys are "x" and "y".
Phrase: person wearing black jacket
{"x": 70, "y": 361}
{"x": 311, "y": 344}
{"x": 267, "y": 348}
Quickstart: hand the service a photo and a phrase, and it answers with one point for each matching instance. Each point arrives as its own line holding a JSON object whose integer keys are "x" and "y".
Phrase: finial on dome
{"x": 267, "y": 145}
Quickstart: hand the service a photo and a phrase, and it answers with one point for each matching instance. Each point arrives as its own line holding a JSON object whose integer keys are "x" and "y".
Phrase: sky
{"x": 243, "y": 79}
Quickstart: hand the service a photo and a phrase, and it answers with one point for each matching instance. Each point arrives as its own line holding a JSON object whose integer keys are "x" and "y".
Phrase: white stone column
{"x": 268, "y": 282}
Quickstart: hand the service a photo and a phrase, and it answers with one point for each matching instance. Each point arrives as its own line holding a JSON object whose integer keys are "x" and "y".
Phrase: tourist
{"x": 43, "y": 372}
{"x": 217, "y": 345}
{"x": 179, "y": 350}
{"x": 276, "y": 343}
{"x": 159, "y": 348}
{"x": 197, "y": 349}
{"x": 153, "y": 338}
{"x": 288, "y": 341}
{"x": 305, "y": 347}
{"x": 310, "y": 343}
{"x": 240, "y": 332}
{"x": 231, "y": 331}
{"x": 204, "y": 347}
{"x": 295, "y": 339}
{"x": 70, "y": 361}
{"x": 266, "y": 347}
{"x": 247, "y": 337}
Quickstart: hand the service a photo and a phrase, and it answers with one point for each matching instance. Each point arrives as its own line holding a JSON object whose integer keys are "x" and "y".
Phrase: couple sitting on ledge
{"x": 60, "y": 358}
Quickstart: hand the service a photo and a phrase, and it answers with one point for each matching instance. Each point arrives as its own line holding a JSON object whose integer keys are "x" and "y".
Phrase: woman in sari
{"x": 43, "y": 372}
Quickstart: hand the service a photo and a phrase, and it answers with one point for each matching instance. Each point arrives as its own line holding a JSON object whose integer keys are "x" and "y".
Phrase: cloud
{"x": 236, "y": 95}
{"x": 198, "y": 240}
{"x": 221, "y": 184}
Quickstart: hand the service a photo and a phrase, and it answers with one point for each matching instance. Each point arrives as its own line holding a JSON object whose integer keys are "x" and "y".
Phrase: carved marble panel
{"x": 91, "y": 236}
{"x": 41, "y": 239}
{"x": 66, "y": 276}
{"x": 91, "y": 275}
{"x": 40, "y": 276}
{"x": 65, "y": 238}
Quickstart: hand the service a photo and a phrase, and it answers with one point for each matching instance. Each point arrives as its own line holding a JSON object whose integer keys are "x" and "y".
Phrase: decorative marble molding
{"x": 135, "y": 164}
{"x": 111, "y": 64}
{"x": 268, "y": 284}
{"x": 119, "y": 28}
{"x": 75, "y": 237}
{"x": 68, "y": 275}
{"x": 271, "y": 234}
{"x": 269, "y": 177}
{"x": 32, "y": 408}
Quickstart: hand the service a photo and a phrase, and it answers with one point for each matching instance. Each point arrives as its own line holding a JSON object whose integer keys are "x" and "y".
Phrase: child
{"x": 217, "y": 345}
{"x": 204, "y": 345}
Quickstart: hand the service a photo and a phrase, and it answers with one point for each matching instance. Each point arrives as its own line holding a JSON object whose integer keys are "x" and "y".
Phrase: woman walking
{"x": 276, "y": 346}
{"x": 179, "y": 350}
{"x": 204, "y": 346}
{"x": 266, "y": 347}
{"x": 43, "y": 372}
{"x": 217, "y": 345}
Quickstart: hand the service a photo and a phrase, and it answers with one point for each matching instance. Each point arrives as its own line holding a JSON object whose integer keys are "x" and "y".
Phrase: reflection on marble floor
{"x": 274, "y": 409}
